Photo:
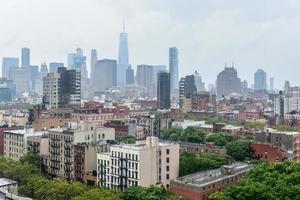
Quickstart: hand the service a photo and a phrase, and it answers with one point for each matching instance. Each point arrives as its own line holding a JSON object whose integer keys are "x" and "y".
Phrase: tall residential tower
{"x": 173, "y": 69}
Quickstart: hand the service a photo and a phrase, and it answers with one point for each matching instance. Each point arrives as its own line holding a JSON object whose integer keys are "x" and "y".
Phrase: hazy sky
{"x": 209, "y": 33}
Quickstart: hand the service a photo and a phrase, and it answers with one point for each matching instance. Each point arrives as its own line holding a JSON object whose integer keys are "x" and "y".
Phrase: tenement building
{"x": 146, "y": 163}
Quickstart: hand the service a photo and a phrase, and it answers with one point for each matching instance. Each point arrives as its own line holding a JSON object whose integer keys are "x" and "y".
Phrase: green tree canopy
{"x": 238, "y": 150}
{"x": 266, "y": 181}
{"x": 191, "y": 163}
{"x": 220, "y": 139}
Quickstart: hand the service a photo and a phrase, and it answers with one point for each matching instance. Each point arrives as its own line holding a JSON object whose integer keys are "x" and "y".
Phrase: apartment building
{"x": 18, "y": 142}
{"x": 289, "y": 141}
{"x": 62, "y": 150}
{"x": 145, "y": 163}
{"x": 199, "y": 186}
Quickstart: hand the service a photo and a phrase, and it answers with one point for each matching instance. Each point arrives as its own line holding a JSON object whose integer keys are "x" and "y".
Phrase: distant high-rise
{"x": 94, "y": 58}
{"x": 20, "y": 76}
{"x": 79, "y": 63}
{"x": 106, "y": 75}
{"x": 228, "y": 82}
{"x": 25, "y": 57}
{"x": 34, "y": 70}
{"x": 260, "y": 80}
{"x": 244, "y": 84}
{"x": 187, "y": 87}
{"x": 8, "y": 64}
{"x": 198, "y": 82}
{"x": 44, "y": 69}
{"x": 144, "y": 78}
{"x": 7, "y": 90}
{"x": 271, "y": 84}
{"x": 173, "y": 68}
{"x": 163, "y": 90}
{"x": 123, "y": 61}
{"x": 53, "y": 66}
{"x": 62, "y": 88}
{"x": 129, "y": 76}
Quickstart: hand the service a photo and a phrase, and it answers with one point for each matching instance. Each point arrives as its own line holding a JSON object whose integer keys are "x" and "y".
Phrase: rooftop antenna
{"x": 232, "y": 64}
{"x": 225, "y": 65}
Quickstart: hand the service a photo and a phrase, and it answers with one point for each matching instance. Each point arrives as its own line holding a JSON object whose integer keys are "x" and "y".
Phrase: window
{"x": 168, "y": 168}
{"x": 167, "y": 176}
{"x": 168, "y": 151}
{"x": 168, "y": 160}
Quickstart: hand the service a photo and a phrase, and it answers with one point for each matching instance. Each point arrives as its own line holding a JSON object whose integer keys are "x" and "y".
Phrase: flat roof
{"x": 5, "y": 182}
{"x": 27, "y": 132}
{"x": 210, "y": 176}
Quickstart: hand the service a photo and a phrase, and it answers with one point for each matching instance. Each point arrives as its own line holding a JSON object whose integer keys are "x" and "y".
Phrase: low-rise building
{"x": 202, "y": 148}
{"x": 62, "y": 143}
{"x": 18, "y": 142}
{"x": 146, "y": 163}
{"x": 289, "y": 141}
{"x": 267, "y": 152}
{"x": 199, "y": 186}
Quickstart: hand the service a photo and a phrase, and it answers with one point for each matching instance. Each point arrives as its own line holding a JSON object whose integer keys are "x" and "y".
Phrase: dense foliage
{"x": 238, "y": 150}
{"x": 150, "y": 193}
{"x": 266, "y": 182}
{"x": 220, "y": 139}
{"x": 32, "y": 184}
{"x": 128, "y": 139}
{"x": 190, "y": 134}
{"x": 190, "y": 163}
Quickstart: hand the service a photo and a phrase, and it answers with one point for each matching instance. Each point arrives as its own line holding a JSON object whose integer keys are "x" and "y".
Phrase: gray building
{"x": 25, "y": 57}
{"x": 145, "y": 79}
{"x": 94, "y": 58}
{"x": 260, "y": 80}
{"x": 187, "y": 87}
{"x": 105, "y": 75}
{"x": 8, "y": 64}
{"x": 7, "y": 90}
{"x": 53, "y": 66}
{"x": 20, "y": 76}
{"x": 228, "y": 82}
{"x": 163, "y": 90}
{"x": 129, "y": 76}
{"x": 173, "y": 68}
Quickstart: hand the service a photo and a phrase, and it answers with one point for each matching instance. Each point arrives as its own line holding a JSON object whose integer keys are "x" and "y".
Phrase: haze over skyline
{"x": 252, "y": 34}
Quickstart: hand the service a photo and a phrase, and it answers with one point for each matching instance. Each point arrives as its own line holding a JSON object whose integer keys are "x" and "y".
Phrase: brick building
{"x": 267, "y": 152}
{"x": 199, "y": 186}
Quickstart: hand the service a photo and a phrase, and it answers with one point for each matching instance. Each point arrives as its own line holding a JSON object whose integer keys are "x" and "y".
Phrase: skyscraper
{"x": 79, "y": 63}
{"x": 129, "y": 76}
{"x": 123, "y": 61}
{"x": 187, "y": 87}
{"x": 94, "y": 59}
{"x": 260, "y": 80}
{"x": 163, "y": 90}
{"x": 7, "y": 64}
{"x": 34, "y": 70}
{"x": 173, "y": 69}
{"x": 144, "y": 78}
{"x": 25, "y": 57}
{"x": 106, "y": 73}
{"x": 271, "y": 84}
{"x": 44, "y": 69}
{"x": 53, "y": 66}
{"x": 198, "y": 82}
{"x": 228, "y": 82}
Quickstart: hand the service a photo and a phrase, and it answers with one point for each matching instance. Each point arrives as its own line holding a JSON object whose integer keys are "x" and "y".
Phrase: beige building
{"x": 18, "y": 142}
{"x": 146, "y": 163}
{"x": 62, "y": 141}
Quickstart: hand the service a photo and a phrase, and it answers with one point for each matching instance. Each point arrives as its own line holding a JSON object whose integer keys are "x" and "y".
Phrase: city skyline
{"x": 223, "y": 32}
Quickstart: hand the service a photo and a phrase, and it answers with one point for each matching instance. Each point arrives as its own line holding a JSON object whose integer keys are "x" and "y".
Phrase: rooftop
{"x": 5, "y": 182}
{"x": 211, "y": 176}
{"x": 26, "y": 132}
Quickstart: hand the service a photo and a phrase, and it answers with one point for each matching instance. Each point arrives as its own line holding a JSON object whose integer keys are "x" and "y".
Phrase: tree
{"x": 238, "y": 150}
{"x": 128, "y": 139}
{"x": 266, "y": 181}
{"x": 191, "y": 163}
{"x": 99, "y": 194}
{"x": 220, "y": 139}
{"x": 31, "y": 158}
{"x": 193, "y": 134}
{"x": 149, "y": 193}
